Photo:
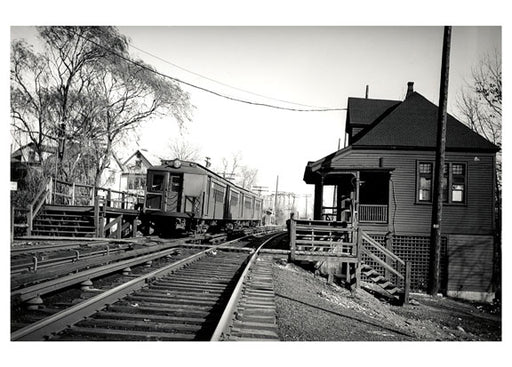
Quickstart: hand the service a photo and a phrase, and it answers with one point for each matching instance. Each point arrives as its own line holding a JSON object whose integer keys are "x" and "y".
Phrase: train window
{"x": 248, "y": 203}
{"x": 175, "y": 183}
{"x": 234, "y": 199}
{"x": 158, "y": 182}
{"x": 218, "y": 193}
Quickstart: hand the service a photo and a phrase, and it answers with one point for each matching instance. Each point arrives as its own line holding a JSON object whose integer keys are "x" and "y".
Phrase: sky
{"x": 313, "y": 66}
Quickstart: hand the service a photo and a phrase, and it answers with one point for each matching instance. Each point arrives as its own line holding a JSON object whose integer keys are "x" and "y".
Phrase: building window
{"x": 136, "y": 182}
{"x": 458, "y": 182}
{"x": 425, "y": 182}
{"x": 453, "y": 183}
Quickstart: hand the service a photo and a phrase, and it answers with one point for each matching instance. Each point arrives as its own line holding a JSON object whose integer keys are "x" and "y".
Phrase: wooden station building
{"x": 383, "y": 183}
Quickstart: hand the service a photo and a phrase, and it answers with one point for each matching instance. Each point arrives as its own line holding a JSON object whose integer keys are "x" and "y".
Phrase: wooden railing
{"x": 371, "y": 213}
{"x": 322, "y": 237}
{"x": 311, "y": 238}
{"x": 41, "y": 198}
{"x": 19, "y": 219}
{"x": 391, "y": 263}
{"x": 67, "y": 193}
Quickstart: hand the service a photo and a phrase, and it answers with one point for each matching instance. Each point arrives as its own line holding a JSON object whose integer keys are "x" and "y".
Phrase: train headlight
{"x": 176, "y": 163}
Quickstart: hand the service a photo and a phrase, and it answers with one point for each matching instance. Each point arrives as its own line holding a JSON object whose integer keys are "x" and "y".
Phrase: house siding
{"x": 475, "y": 217}
{"x": 470, "y": 260}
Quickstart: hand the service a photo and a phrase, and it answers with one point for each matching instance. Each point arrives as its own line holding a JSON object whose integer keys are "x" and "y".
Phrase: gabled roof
{"x": 45, "y": 148}
{"x": 148, "y": 159}
{"x": 413, "y": 124}
{"x": 364, "y": 111}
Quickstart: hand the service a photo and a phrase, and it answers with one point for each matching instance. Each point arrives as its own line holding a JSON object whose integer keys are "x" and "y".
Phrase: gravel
{"x": 309, "y": 309}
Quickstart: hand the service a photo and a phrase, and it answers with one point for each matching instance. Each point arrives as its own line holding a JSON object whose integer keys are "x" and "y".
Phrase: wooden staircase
{"x": 61, "y": 221}
{"x": 349, "y": 252}
{"x": 378, "y": 279}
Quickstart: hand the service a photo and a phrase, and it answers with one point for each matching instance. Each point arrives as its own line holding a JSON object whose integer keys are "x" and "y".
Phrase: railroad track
{"x": 180, "y": 301}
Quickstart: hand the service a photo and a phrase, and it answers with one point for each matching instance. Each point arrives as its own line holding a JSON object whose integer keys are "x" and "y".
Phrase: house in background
{"x": 111, "y": 176}
{"x": 133, "y": 176}
{"x": 383, "y": 181}
{"x": 26, "y": 157}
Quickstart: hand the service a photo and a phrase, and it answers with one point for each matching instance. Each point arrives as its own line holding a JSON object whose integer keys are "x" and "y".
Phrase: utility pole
{"x": 275, "y": 202}
{"x": 437, "y": 204}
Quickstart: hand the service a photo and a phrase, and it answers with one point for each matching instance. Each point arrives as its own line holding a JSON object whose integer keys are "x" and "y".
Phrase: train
{"x": 185, "y": 196}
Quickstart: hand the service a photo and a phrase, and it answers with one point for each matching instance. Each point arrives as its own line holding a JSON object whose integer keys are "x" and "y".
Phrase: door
{"x": 173, "y": 194}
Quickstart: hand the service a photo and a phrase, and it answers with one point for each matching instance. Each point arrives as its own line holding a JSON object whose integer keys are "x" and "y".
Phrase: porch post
{"x": 355, "y": 207}
{"x": 319, "y": 198}
{"x": 339, "y": 196}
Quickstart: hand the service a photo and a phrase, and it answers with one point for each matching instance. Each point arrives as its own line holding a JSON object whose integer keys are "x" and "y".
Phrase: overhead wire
{"x": 202, "y": 88}
{"x": 218, "y": 82}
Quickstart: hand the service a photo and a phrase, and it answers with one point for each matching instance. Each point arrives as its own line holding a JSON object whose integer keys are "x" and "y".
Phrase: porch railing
{"x": 322, "y": 238}
{"x": 371, "y": 213}
{"x": 67, "y": 193}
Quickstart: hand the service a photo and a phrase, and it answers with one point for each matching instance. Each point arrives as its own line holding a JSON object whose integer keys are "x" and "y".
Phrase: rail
{"x": 226, "y": 321}
{"x": 61, "y": 320}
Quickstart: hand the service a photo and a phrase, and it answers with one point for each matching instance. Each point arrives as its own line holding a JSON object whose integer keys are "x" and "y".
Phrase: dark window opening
{"x": 157, "y": 183}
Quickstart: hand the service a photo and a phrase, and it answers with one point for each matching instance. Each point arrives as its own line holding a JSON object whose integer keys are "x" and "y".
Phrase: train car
{"x": 183, "y": 194}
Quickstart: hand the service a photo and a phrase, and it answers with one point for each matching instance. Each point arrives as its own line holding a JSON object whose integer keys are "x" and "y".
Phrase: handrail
{"x": 382, "y": 262}
{"x": 38, "y": 203}
{"x": 406, "y": 269}
{"x": 381, "y": 248}
{"x": 122, "y": 197}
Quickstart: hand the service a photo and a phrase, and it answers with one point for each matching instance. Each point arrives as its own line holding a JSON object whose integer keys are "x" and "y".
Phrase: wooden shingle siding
{"x": 470, "y": 261}
{"x": 473, "y": 217}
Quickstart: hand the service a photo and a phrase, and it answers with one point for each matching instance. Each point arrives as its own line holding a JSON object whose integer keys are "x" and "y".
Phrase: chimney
{"x": 367, "y": 90}
{"x": 410, "y": 89}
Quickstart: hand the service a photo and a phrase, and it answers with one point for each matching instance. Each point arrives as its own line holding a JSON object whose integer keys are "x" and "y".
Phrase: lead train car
{"x": 185, "y": 194}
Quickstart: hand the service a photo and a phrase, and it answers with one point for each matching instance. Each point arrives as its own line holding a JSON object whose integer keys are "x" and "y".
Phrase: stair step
{"x": 56, "y": 226}
{"x": 55, "y": 232}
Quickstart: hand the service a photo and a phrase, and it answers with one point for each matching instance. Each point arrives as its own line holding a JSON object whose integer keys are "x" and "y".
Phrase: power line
{"x": 202, "y": 88}
{"x": 218, "y": 82}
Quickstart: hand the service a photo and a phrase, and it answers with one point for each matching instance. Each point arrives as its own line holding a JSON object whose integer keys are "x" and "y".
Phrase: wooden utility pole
{"x": 275, "y": 202}
{"x": 437, "y": 204}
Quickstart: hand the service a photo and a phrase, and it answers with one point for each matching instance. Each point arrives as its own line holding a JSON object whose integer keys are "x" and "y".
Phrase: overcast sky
{"x": 311, "y": 66}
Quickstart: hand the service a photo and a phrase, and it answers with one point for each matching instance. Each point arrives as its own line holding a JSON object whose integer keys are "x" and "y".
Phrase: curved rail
{"x": 226, "y": 319}
{"x": 59, "y": 321}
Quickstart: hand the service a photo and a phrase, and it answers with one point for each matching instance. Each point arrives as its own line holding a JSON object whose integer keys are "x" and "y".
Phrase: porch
{"x": 355, "y": 196}
{"x": 349, "y": 253}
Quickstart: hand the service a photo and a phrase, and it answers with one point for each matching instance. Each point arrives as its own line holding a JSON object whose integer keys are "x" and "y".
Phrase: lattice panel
{"x": 416, "y": 249}
{"x": 369, "y": 261}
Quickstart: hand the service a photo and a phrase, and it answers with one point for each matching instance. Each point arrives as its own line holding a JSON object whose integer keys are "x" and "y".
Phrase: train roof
{"x": 194, "y": 168}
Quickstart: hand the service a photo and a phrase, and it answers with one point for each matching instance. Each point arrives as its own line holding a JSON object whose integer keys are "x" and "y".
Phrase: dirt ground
{"x": 309, "y": 309}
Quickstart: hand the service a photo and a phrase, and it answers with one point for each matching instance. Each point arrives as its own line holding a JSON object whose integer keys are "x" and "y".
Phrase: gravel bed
{"x": 309, "y": 309}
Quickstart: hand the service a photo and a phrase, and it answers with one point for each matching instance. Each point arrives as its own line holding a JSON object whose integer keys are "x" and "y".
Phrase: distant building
{"x": 384, "y": 183}
{"x": 133, "y": 176}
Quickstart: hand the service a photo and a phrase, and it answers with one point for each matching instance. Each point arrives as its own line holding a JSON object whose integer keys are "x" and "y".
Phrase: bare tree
{"x": 247, "y": 177}
{"x": 480, "y": 101}
{"x": 234, "y": 169}
{"x": 31, "y": 102}
{"x": 89, "y": 94}
{"x": 480, "y": 105}
{"x": 230, "y": 166}
{"x": 184, "y": 150}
